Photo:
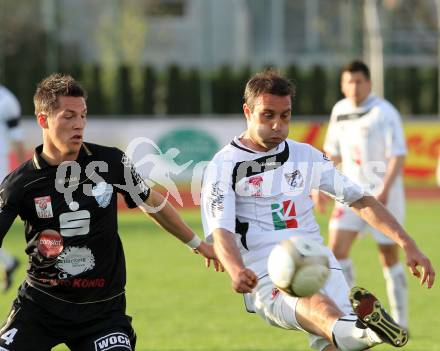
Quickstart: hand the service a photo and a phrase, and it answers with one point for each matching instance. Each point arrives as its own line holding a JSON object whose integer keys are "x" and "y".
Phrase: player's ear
{"x": 247, "y": 111}
{"x": 42, "y": 120}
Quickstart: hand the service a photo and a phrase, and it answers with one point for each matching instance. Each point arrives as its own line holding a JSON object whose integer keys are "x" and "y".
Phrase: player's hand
{"x": 218, "y": 267}
{"x": 207, "y": 251}
{"x": 244, "y": 281}
{"x": 414, "y": 259}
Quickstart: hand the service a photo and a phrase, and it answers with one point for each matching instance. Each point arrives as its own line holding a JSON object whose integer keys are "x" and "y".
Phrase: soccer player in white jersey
{"x": 256, "y": 192}
{"x": 10, "y": 134}
{"x": 365, "y": 136}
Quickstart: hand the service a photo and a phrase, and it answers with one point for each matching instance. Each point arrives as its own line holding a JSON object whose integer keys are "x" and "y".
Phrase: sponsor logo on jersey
{"x": 103, "y": 194}
{"x": 50, "y": 243}
{"x": 254, "y": 184}
{"x": 2, "y": 204}
{"x": 144, "y": 189}
{"x": 75, "y": 223}
{"x": 217, "y": 197}
{"x": 356, "y": 155}
{"x": 79, "y": 283}
{"x": 111, "y": 341}
{"x": 338, "y": 212}
{"x": 283, "y": 215}
{"x": 275, "y": 293}
{"x": 43, "y": 206}
{"x": 75, "y": 260}
{"x": 294, "y": 179}
{"x": 71, "y": 180}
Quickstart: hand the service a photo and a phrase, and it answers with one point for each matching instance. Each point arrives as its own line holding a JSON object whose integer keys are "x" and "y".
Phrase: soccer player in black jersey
{"x": 67, "y": 197}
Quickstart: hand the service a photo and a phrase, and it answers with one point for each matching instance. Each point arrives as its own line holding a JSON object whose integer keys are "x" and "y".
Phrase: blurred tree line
{"x": 118, "y": 83}
{"x": 177, "y": 91}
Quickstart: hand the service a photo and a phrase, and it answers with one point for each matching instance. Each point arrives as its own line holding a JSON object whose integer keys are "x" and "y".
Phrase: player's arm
{"x": 373, "y": 212}
{"x": 395, "y": 150}
{"x": 137, "y": 194}
{"x": 394, "y": 168}
{"x": 243, "y": 279}
{"x": 169, "y": 219}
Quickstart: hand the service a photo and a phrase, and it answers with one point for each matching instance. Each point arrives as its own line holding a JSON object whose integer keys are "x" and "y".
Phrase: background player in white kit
{"x": 256, "y": 193}
{"x": 10, "y": 134}
{"x": 365, "y": 136}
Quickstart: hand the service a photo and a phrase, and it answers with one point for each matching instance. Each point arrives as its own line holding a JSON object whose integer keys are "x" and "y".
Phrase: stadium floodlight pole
{"x": 375, "y": 46}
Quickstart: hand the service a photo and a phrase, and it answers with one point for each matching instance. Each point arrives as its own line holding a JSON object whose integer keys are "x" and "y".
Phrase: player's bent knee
{"x": 389, "y": 254}
{"x": 340, "y": 243}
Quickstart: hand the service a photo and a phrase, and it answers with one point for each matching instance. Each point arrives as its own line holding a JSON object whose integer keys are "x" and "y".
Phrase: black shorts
{"x": 32, "y": 328}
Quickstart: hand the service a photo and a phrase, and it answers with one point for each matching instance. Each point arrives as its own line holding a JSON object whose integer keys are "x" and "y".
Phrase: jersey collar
{"x": 40, "y": 163}
{"x": 239, "y": 145}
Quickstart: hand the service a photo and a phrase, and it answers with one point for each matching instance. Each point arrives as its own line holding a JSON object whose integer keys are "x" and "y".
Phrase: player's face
{"x": 355, "y": 86}
{"x": 268, "y": 122}
{"x": 65, "y": 126}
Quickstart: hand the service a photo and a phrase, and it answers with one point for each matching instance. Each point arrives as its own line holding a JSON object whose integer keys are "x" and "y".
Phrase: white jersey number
{"x": 9, "y": 336}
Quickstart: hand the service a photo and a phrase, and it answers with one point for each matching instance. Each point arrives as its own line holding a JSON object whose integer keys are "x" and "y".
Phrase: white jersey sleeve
{"x": 329, "y": 180}
{"x": 218, "y": 197}
{"x": 395, "y": 138}
{"x": 331, "y": 142}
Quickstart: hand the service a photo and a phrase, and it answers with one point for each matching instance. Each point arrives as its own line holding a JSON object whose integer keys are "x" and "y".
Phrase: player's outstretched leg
{"x": 370, "y": 311}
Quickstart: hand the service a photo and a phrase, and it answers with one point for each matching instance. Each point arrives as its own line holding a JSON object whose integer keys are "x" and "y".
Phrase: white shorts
{"x": 344, "y": 218}
{"x": 278, "y": 309}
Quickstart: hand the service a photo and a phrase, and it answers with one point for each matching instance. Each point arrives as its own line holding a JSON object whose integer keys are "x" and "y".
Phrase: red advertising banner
{"x": 423, "y": 142}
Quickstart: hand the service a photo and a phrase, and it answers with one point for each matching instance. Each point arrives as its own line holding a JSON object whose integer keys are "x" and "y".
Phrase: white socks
{"x": 347, "y": 269}
{"x": 6, "y": 259}
{"x": 397, "y": 293}
{"x": 348, "y": 336}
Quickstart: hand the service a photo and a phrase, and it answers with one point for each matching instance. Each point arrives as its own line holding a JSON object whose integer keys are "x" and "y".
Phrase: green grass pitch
{"x": 179, "y": 305}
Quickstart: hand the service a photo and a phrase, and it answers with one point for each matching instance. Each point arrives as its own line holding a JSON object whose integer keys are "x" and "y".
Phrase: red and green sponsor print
{"x": 283, "y": 215}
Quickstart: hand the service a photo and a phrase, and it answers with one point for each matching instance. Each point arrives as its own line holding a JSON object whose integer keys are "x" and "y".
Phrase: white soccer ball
{"x": 298, "y": 266}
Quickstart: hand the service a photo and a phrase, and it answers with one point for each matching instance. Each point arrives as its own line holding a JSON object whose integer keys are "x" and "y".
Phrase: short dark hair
{"x": 267, "y": 82}
{"x": 357, "y": 66}
{"x": 50, "y": 88}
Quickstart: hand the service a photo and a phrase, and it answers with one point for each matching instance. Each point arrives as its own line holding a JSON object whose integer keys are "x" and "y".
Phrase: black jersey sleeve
{"x": 8, "y": 207}
{"x": 132, "y": 185}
